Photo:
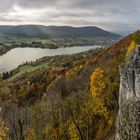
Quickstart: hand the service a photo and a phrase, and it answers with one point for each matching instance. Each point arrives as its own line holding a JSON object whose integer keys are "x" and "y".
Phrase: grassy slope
{"x": 27, "y": 68}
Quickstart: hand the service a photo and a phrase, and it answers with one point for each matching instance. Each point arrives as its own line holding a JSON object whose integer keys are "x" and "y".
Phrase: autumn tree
{"x": 130, "y": 49}
{"x": 38, "y": 122}
{"x": 16, "y": 120}
{"x": 97, "y": 82}
{"x": 3, "y": 130}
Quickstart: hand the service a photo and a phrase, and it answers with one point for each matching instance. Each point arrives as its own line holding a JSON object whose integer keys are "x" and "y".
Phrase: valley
{"x": 69, "y": 70}
{"x": 66, "y": 96}
{"x": 52, "y": 37}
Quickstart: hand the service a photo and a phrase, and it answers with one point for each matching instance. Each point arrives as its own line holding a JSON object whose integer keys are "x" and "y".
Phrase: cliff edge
{"x": 128, "y": 123}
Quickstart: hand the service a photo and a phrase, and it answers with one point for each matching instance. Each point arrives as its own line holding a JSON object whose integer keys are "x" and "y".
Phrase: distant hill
{"x": 55, "y": 32}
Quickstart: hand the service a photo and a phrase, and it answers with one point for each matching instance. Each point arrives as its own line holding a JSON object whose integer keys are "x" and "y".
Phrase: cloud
{"x": 113, "y": 15}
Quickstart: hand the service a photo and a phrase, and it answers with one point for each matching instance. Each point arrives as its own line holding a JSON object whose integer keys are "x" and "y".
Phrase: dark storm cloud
{"x": 115, "y": 15}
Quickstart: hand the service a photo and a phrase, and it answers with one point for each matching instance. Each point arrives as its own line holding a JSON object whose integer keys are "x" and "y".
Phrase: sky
{"x": 120, "y": 16}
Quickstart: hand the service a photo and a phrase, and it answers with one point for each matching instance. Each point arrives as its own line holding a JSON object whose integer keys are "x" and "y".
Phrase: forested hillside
{"x": 70, "y": 98}
{"x": 54, "y": 32}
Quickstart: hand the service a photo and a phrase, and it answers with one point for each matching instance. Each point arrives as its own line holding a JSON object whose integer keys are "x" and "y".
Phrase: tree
{"x": 3, "y": 130}
{"x": 136, "y": 37}
{"x": 97, "y": 82}
{"x": 38, "y": 122}
{"x": 16, "y": 120}
{"x": 131, "y": 47}
{"x": 5, "y": 75}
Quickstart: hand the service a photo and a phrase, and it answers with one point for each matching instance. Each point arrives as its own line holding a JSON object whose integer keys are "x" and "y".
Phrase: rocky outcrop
{"x": 128, "y": 123}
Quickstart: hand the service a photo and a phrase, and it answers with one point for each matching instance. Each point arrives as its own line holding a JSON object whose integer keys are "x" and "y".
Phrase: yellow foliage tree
{"x": 73, "y": 71}
{"x": 73, "y": 132}
{"x": 131, "y": 47}
{"x": 110, "y": 122}
{"x": 101, "y": 110}
{"x": 97, "y": 82}
{"x": 3, "y": 130}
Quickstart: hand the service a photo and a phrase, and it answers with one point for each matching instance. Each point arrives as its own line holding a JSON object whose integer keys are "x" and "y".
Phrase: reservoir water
{"x": 18, "y": 56}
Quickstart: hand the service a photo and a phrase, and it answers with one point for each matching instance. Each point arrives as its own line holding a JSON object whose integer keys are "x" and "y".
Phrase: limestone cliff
{"x": 128, "y": 123}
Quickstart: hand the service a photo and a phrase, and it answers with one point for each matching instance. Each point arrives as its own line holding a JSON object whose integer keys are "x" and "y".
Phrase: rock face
{"x": 128, "y": 123}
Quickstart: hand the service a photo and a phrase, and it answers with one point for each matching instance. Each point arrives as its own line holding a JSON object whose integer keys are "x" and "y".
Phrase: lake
{"x": 18, "y": 56}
